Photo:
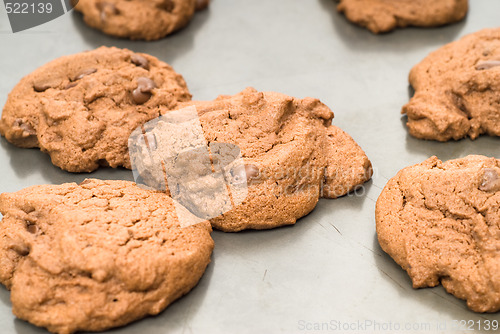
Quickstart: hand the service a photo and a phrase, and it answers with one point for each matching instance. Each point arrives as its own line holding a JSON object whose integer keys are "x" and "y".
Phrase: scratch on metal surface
{"x": 384, "y": 177}
{"x": 322, "y": 226}
{"x": 264, "y": 277}
{"x": 392, "y": 279}
{"x": 371, "y": 250}
{"x": 335, "y": 227}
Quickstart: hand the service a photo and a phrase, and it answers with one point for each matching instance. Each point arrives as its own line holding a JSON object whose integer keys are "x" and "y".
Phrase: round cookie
{"x": 292, "y": 156}
{"x": 441, "y": 223}
{"x": 139, "y": 19}
{"x": 456, "y": 90}
{"x": 380, "y": 16}
{"x": 96, "y": 255}
{"x": 81, "y": 109}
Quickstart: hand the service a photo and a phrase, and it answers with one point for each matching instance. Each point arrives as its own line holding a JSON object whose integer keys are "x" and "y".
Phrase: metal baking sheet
{"x": 327, "y": 273}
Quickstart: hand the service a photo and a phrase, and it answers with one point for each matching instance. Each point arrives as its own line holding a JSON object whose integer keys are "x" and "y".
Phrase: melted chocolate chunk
{"x": 41, "y": 86}
{"x": 32, "y": 228}
{"x": 142, "y": 93}
{"x": 487, "y": 64}
{"x": 150, "y": 140}
{"x": 84, "y": 73}
{"x": 107, "y": 9}
{"x": 167, "y": 5}
{"x": 244, "y": 173}
{"x": 202, "y": 4}
{"x": 28, "y": 130}
{"x": 71, "y": 85}
{"x": 140, "y": 61}
{"x": 491, "y": 180}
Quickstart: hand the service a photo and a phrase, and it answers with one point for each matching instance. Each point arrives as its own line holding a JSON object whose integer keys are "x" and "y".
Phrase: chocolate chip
{"x": 252, "y": 171}
{"x": 106, "y": 10}
{"x": 83, "y": 73}
{"x": 21, "y": 249}
{"x": 491, "y": 180}
{"x": 140, "y": 61}
{"x": 86, "y": 181}
{"x": 459, "y": 102}
{"x": 487, "y": 64}
{"x": 150, "y": 140}
{"x": 71, "y": 85}
{"x": 143, "y": 91}
{"x": 32, "y": 228}
{"x": 167, "y": 5}
{"x": 238, "y": 175}
{"x": 103, "y": 163}
{"x": 242, "y": 173}
{"x": 41, "y": 86}
{"x": 202, "y": 4}
{"x": 28, "y": 130}
{"x": 80, "y": 76}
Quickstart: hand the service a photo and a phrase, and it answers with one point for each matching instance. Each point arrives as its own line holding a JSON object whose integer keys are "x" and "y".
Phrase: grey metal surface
{"x": 328, "y": 268}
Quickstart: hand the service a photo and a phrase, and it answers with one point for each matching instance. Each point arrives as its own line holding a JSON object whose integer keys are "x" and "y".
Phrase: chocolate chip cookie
{"x": 81, "y": 109}
{"x": 96, "y": 255}
{"x": 441, "y": 223}
{"x": 456, "y": 90}
{"x": 291, "y": 156}
{"x": 139, "y": 19}
{"x": 380, "y": 16}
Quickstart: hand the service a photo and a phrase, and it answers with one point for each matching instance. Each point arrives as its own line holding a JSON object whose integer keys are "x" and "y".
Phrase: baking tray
{"x": 327, "y": 273}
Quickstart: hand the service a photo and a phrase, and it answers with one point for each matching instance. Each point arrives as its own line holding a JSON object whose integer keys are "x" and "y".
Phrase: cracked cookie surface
{"x": 96, "y": 255}
{"x": 441, "y": 223}
{"x": 380, "y": 16}
{"x": 456, "y": 90}
{"x": 292, "y": 156}
{"x": 139, "y": 19}
{"x": 81, "y": 109}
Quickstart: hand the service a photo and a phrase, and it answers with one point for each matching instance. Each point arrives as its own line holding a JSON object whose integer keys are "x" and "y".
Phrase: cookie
{"x": 456, "y": 90}
{"x": 441, "y": 223}
{"x": 96, "y": 255}
{"x": 291, "y": 156}
{"x": 81, "y": 109}
{"x": 139, "y": 19}
{"x": 381, "y": 16}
